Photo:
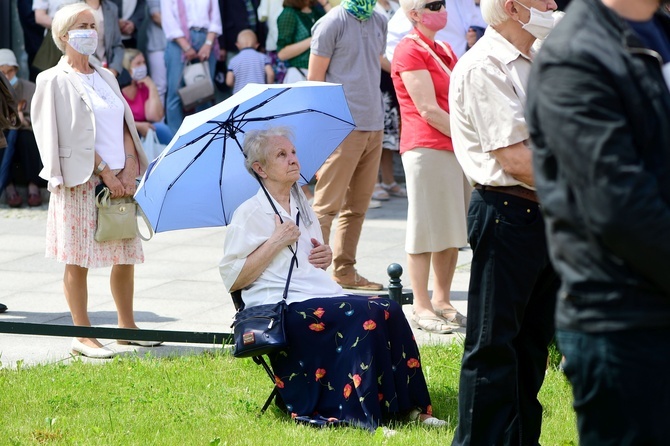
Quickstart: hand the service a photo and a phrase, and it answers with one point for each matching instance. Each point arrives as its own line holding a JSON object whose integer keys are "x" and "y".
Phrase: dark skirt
{"x": 351, "y": 359}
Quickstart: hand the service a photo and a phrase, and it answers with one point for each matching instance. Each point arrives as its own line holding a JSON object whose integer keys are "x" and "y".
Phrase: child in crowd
{"x": 248, "y": 65}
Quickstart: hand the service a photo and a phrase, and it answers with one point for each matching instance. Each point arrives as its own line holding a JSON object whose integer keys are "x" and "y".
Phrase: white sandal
{"x": 380, "y": 194}
{"x": 394, "y": 190}
{"x": 432, "y": 324}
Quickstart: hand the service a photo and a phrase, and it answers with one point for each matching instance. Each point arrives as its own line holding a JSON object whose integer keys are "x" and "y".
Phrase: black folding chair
{"x": 260, "y": 360}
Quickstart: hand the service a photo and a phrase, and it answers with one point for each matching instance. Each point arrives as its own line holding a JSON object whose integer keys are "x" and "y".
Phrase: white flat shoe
{"x": 79, "y": 348}
{"x": 140, "y": 343}
{"x": 415, "y": 415}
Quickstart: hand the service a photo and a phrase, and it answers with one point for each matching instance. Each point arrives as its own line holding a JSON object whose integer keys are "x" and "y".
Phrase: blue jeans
{"x": 174, "y": 113}
{"x": 620, "y": 394}
{"x": 163, "y": 132}
{"x": 510, "y": 322}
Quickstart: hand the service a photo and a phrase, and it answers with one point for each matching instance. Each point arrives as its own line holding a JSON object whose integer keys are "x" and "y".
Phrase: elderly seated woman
{"x": 350, "y": 359}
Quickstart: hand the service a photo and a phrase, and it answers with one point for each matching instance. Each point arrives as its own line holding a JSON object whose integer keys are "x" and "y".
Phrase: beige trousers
{"x": 344, "y": 185}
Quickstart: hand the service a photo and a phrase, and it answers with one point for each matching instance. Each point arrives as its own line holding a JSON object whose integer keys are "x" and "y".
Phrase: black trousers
{"x": 511, "y": 304}
{"x": 26, "y": 164}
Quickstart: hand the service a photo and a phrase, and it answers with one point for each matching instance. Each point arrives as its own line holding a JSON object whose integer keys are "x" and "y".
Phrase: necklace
{"x": 90, "y": 78}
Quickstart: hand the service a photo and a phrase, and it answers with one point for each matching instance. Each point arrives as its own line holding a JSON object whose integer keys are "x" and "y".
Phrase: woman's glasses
{"x": 436, "y": 6}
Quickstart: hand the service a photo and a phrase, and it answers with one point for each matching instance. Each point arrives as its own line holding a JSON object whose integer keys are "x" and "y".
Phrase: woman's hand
{"x": 321, "y": 255}
{"x": 285, "y": 234}
{"x": 127, "y": 177}
{"x": 204, "y": 52}
{"x": 113, "y": 183}
{"x": 143, "y": 127}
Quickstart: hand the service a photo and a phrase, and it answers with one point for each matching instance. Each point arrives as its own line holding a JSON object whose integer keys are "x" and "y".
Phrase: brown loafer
{"x": 34, "y": 200}
{"x": 14, "y": 200}
{"x": 355, "y": 281}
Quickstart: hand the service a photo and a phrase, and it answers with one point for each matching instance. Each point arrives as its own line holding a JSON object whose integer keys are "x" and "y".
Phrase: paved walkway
{"x": 177, "y": 288}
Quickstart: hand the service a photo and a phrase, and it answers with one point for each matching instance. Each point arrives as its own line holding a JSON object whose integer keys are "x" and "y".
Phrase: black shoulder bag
{"x": 259, "y": 330}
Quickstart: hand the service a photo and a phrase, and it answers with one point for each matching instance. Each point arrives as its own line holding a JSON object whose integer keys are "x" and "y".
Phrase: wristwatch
{"x": 208, "y": 42}
{"x": 98, "y": 170}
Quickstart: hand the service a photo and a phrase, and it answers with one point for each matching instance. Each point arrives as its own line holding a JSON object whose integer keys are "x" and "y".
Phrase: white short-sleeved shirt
{"x": 487, "y": 100}
{"x": 252, "y": 225}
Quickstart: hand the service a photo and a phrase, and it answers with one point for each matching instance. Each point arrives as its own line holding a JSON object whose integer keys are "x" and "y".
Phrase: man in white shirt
{"x": 462, "y": 15}
{"x": 513, "y": 286}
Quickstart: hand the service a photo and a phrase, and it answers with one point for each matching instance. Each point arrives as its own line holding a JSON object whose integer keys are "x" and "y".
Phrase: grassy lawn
{"x": 214, "y": 399}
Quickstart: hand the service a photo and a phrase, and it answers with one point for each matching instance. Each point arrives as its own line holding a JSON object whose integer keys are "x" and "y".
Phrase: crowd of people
{"x": 482, "y": 113}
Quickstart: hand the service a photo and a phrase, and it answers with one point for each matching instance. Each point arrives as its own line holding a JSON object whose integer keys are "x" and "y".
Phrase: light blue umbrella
{"x": 200, "y": 179}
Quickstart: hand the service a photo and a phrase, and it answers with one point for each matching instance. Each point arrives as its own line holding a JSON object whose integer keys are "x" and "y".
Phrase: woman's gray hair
{"x": 64, "y": 19}
{"x": 257, "y": 142}
{"x": 409, "y": 5}
{"x": 493, "y": 11}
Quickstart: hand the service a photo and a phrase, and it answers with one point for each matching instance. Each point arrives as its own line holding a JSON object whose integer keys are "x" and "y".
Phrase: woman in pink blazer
{"x": 86, "y": 136}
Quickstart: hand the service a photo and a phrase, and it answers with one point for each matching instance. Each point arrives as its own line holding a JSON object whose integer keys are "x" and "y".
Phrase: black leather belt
{"x": 517, "y": 191}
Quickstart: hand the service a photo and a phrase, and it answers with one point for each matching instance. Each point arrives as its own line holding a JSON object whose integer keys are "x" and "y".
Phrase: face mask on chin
{"x": 83, "y": 41}
{"x": 13, "y": 81}
{"x": 540, "y": 23}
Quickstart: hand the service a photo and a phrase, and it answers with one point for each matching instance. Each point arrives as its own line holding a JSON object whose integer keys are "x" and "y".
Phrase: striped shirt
{"x": 248, "y": 66}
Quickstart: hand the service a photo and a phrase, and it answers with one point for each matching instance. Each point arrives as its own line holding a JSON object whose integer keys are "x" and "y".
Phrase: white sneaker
{"x": 374, "y": 204}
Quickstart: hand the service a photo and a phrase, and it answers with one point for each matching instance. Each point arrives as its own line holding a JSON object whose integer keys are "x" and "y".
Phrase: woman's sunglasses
{"x": 436, "y": 6}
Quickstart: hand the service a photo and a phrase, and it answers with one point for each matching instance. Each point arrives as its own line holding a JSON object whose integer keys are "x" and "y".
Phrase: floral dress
{"x": 352, "y": 359}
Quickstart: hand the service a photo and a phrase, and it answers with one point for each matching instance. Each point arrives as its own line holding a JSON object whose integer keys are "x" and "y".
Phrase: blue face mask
{"x": 14, "y": 81}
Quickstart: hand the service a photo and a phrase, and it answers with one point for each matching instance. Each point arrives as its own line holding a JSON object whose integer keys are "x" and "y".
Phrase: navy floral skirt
{"x": 352, "y": 359}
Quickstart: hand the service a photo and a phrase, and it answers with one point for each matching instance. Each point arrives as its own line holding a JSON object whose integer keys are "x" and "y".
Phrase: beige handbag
{"x": 198, "y": 88}
{"x": 117, "y": 218}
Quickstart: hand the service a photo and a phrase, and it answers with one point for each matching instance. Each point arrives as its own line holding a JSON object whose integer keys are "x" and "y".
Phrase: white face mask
{"x": 139, "y": 72}
{"x": 540, "y": 22}
{"x": 83, "y": 41}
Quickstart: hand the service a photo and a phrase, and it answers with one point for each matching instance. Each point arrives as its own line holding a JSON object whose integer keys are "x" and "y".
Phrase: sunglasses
{"x": 436, "y": 6}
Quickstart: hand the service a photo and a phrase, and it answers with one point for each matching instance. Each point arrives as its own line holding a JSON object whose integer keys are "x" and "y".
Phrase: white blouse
{"x": 108, "y": 112}
{"x": 252, "y": 224}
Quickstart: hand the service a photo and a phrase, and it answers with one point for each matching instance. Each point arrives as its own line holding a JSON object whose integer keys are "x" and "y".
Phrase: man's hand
{"x": 321, "y": 255}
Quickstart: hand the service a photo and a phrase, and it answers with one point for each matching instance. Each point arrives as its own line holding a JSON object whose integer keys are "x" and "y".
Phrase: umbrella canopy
{"x": 199, "y": 179}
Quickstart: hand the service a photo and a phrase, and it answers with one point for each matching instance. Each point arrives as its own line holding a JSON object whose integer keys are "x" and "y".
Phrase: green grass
{"x": 214, "y": 399}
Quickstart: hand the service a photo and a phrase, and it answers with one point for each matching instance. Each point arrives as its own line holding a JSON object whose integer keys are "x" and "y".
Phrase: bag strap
{"x": 141, "y": 213}
{"x": 418, "y": 40}
{"x": 294, "y": 259}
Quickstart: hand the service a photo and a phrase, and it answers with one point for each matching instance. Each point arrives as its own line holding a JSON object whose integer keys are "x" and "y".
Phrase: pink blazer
{"x": 64, "y": 126}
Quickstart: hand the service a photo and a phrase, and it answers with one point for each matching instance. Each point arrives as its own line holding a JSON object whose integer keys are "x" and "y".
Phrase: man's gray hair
{"x": 65, "y": 18}
{"x": 493, "y": 11}
{"x": 257, "y": 142}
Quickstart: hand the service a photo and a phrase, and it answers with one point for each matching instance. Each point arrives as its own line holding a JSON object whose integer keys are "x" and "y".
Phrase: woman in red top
{"x": 143, "y": 98}
{"x": 437, "y": 189}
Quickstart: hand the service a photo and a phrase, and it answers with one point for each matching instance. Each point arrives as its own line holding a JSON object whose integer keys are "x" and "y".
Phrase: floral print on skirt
{"x": 351, "y": 358}
{"x": 71, "y": 223}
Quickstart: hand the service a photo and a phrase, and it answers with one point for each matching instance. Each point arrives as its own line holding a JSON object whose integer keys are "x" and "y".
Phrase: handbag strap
{"x": 417, "y": 39}
{"x": 294, "y": 259}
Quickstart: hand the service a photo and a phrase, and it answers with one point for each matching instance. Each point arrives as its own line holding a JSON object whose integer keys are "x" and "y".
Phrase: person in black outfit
{"x": 33, "y": 34}
{"x": 9, "y": 117}
{"x": 598, "y": 110}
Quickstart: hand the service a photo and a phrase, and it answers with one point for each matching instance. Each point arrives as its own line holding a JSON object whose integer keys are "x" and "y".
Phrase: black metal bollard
{"x": 394, "y": 271}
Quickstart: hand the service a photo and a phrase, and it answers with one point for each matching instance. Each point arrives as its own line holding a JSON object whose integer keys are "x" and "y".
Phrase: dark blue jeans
{"x": 620, "y": 385}
{"x": 510, "y": 322}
